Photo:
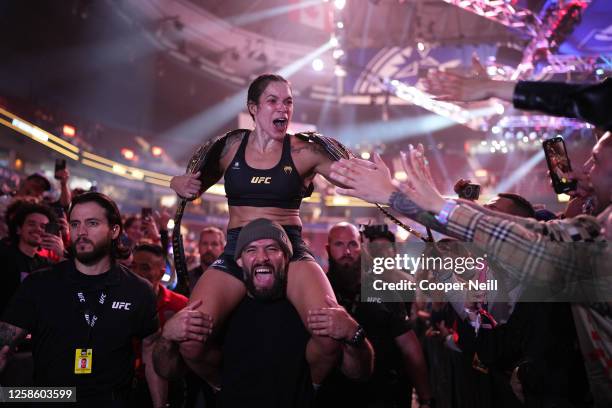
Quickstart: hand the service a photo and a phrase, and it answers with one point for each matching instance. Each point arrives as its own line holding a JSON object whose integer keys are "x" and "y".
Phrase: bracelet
{"x": 442, "y": 216}
{"x": 358, "y": 338}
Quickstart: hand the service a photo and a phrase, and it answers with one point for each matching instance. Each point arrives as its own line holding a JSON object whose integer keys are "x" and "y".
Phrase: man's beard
{"x": 91, "y": 257}
{"x": 345, "y": 273}
{"x": 276, "y": 291}
{"x": 206, "y": 259}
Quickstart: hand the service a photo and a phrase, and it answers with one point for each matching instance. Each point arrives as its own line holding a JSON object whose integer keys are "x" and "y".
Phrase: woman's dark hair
{"x": 259, "y": 85}
{"x": 19, "y": 212}
{"x": 113, "y": 217}
{"x": 523, "y": 205}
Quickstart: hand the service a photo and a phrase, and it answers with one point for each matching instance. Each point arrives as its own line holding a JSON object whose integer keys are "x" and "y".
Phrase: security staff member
{"x": 87, "y": 308}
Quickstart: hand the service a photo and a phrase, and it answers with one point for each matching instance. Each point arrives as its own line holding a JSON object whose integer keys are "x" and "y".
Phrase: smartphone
{"x": 558, "y": 164}
{"x": 471, "y": 191}
{"x": 60, "y": 164}
{"x": 58, "y": 211}
{"x": 146, "y": 212}
{"x": 52, "y": 228}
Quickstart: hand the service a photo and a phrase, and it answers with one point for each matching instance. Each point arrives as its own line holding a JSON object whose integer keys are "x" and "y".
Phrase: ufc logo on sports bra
{"x": 260, "y": 180}
{"x": 121, "y": 305}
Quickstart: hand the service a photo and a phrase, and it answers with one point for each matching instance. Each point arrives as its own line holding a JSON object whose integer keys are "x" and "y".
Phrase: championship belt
{"x": 206, "y": 161}
{"x": 336, "y": 151}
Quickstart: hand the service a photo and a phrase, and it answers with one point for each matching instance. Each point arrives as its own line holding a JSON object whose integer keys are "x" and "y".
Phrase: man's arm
{"x": 358, "y": 360}
{"x": 10, "y": 336}
{"x": 167, "y": 359}
{"x": 524, "y": 254}
{"x": 65, "y": 194}
{"x": 414, "y": 362}
{"x": 158, "y": 386}
{"x": 184, "y": 333}
{"x": 335, "y": 322}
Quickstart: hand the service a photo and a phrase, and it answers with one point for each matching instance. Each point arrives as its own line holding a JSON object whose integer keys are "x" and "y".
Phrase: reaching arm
{"x": 65, "y": 195}
{"x": 523, "y": 249}
{"x": 10, "y": 336}
{"x": 586, "y": 102}
{"x": 158, "y": 386}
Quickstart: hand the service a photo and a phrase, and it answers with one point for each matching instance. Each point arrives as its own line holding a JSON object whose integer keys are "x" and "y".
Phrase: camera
{"x": 470, "y": 191}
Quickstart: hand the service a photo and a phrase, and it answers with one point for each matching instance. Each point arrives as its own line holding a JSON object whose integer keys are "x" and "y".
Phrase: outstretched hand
{"x": 369, "y": 181}
{"x": 449, "y": 86}
{"x": 420, "y": 187}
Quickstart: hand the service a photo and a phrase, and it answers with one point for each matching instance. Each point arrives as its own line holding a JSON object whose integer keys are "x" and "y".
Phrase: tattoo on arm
{"x": 313, "y": 147}
{"x": 399, "y": 202}
{"x": 167, "y": 359}
{"x": 229, "y": 142}
{"x": 164, "y": 346}
{"x": 10, "y": 335}
{"x": 405, "y": 206}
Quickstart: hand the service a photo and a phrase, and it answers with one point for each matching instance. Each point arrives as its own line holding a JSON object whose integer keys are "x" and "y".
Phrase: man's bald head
{"x": 344, "y": 245}
{"x": 343, "y": 226}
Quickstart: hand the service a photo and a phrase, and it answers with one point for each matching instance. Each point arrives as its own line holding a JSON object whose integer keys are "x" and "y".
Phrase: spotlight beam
{"x": 197, "y": 128}
{"x": 294, "y": 67}
{"x": 387, "y": 131}
{"x": 519, "y": 173}
{"x": 260, "y": 15}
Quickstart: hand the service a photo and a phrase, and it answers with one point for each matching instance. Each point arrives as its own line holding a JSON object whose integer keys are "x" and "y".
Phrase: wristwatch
{"x": 358, "y": 338}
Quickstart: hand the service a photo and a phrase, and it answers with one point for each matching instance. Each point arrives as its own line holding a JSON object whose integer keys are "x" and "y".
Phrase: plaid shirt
{"x": 532, "y": 251}
{"x": 541, "y": 251}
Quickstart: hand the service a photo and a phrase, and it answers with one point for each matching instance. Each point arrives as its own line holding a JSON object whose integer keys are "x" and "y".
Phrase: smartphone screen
{"x": 558, "y": 165}
{"x": 52, "y": 228}
{"x": 146, "y": 212}
{"x": 60, "y": 164}
{"x": 59, "y": 211}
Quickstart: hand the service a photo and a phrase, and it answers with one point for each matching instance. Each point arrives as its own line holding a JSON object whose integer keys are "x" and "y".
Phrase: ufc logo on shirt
{"x": 121, "y": 305}
{"x": 261, "y": 180}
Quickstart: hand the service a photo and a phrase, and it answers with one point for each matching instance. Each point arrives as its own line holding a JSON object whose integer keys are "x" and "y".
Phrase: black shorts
{"x": 226, "y": 262}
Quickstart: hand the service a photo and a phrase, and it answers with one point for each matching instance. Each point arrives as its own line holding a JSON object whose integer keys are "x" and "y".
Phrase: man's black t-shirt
{"x": 264, "y": 363}
{"x": 388, "y": 385}
{"x": 15, "y": 267}
{"x": 47, "y": 306}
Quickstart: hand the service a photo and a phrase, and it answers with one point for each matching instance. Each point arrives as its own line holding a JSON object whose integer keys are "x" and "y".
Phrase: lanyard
{"x": 90, "y": 317}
